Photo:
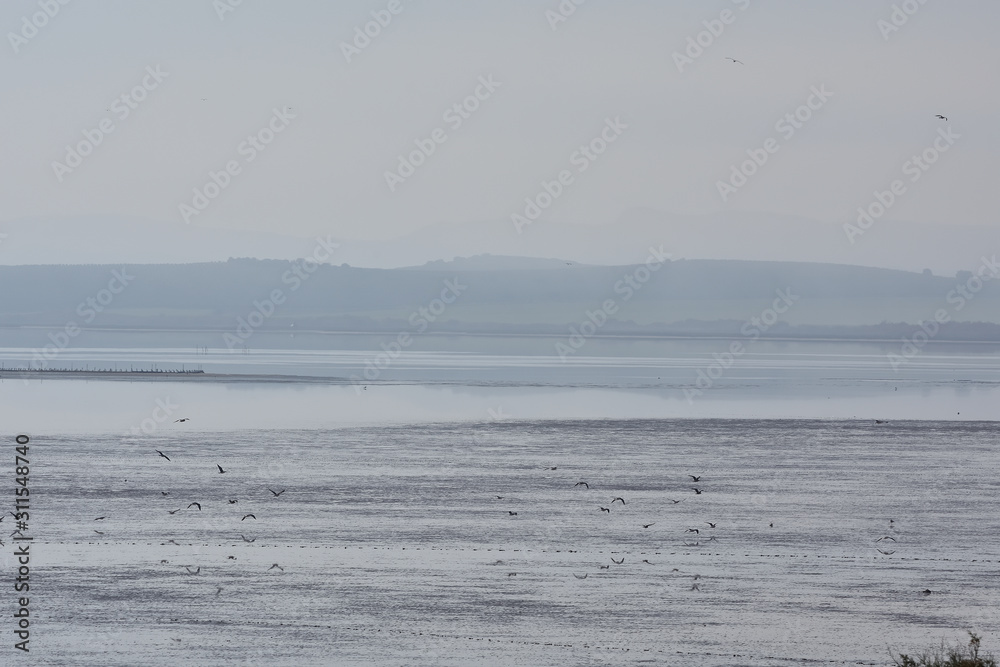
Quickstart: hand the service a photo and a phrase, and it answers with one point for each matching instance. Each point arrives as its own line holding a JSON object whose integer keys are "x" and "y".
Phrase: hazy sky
{"x": 680, "y": 129}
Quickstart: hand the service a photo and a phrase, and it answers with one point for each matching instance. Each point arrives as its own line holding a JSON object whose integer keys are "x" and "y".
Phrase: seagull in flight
{"x": 511, "y": 513}
{"x": 617, "y": 562}
{"x": 886, "y": 538}
{"x": 735, "y": 61}
{"x": 220, "y": 468}
{"x": 98, "y": 532}
{"x": 697, "y": 492}
{"x": 276, "y": 493}
{"x": 605, "y": 509}
{"x": 245, "y": 516}
{"x": 621, "y": 499}
{"x": 217, "y": 591}
{"x": 941, "y": 117}
{"x": 647, "y": 525}
{"x": 581, "y": 484}
{"x": 246, "y": 540}
{"x": 710, "y": 524}
{"x": 578, "y": 576}
{"x": 100, "y": 518}
{"x": 692, "y": 530}
{"x": 195, "y": 504}
{"x": 885, "y": 553}
{"x": 175, "y": 511}
{"x": 182, "y": 420}
{"x": 673, "y": 501}
{"x": 189, "y": 570}
{"x": 695, "y": 479}
{"x": 275, "y": 566}
{"x": 233, "y": 501}
{"x": 162, "y": 454}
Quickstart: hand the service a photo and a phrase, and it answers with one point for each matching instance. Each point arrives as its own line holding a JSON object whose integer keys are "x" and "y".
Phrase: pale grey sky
{"x": 349, "y": 121}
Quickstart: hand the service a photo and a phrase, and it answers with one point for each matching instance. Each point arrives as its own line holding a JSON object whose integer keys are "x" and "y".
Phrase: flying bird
{"x": 175, "y": 511}
{"x": 512, "y": 574}
{"x": 646, "y": 561}
{"x": 245, "y": 516}
{"x": 276, "y": 493}
{"x": 697, "y": 492}
{"x": 885, "y": 553}
{"x": 581, "y": 484}
{"x": 710, "y": 524}
{"x": 246, "y": 540}
{"x": 621, "y": 499}
{"x": 552, "y": 468}
{"x": 695, "y": 479}
{"x": 673, "y": 501}
{"x": 162, "y": 454}
{"x": 605, "y": 509}
{"x": 275, "y": 566}
{"x": 164, "y": 493}
{"x": 941, "y": 117}
{"x": 735, "y": 61}
{"x": 647, "y": 525}
{"x": 926, "y": 591}
{"x": 605, "y": 567}
{"x": 189, "y": 570}
{"x": 512, "y": 513}
{"x": 694, "y": 587}
{"x": 195, "y": 504}
{"x": 220, "y": 468}
{"x": 499, "y": 497}
{"x": 185, "y": 419}
{"x": 618, "y": 562}
{"x": 100, "y": 518}
{"x": 171, "y": 542}
{"x": 217, "y": 591}
{"x": 98, "y": 532}
{"x": 232, "y": 558}
{"x": 692, "y": 530}
{"x": 578, "y": 576}
{"x": 886, "y": 538}
{"x": 233, "y": 502}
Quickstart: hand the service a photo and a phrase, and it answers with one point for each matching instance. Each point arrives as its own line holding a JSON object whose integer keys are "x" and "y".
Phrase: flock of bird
{"x": 197, "y": 506}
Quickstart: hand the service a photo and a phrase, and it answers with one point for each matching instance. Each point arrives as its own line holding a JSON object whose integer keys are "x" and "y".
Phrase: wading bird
{"x": 162, "y": 454}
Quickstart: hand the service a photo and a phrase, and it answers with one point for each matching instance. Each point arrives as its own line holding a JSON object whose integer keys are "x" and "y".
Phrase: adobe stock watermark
{"x": 562, "y": 12}
{"x": 899, "y": 17}
{"x": 698, "y": 44}
{"x": 122, "y": 107}
{"x": 420, "y": 320}
{"x": 582, "y": 158}
{"x": 363, "y": 35}
{"x": 30, "y": 25}
{"x": 295, "y": 277}
{"x": 751, "y": 330}
{"x": 958, "y": 298}
{"x": 455, "y": 116}
{"x": 88, "y": 310}
{"x": 786, "y": 126}
{"x": 595, "y": 320}
{"x": 248, "y": 149}
{"x": 223, "y": 7}
{"x": 915, "y": 168}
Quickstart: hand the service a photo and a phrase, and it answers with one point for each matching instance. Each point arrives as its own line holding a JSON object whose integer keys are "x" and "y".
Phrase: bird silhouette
{"x": 886, "y": 538}
{"x": 172, "y": 542}
{"x": 512, "y": 574}
{"x": 98, "y": 532}
{"x": 185, "y": 419}
{"x": 246, "y": 540}
{"x": 499, "y": 497}
{"x": 605, "y": 509}
{"x": 885, "y": 553}
{"x": 198, "y": 505}
{"x": 646, "y": 561}
{"x": 174, "y": 511}
{"x": 512, "y": 513}
{"x": 941, "y": 117}
{"x": 710, "y": 524}
{"x": 578, "y": 576}
{"x": 189, "y": 570}
{"x": 275, "y": 566}
{"x": 246, "y": 516}
{"x": 605, "y": 567}
{"x": 617, "y": 562}
{"x": 162, "y": 454}
{"x": 276, "y": 493}
{"x": 647, "y": 525}
{"x": 581, "y": 484}
{"x": 694, "y": 587}
{"x": 735, "y": 61}
{"x": 695, "y": 479}
{"x": 218, "y": 590}
{"x": 220, "y": 468}
{"x": 164, "y": 493}
{"x": 552, "y": 468}
{"x": 926, "y": 591}
{"x": 692, "y": 530}
{"x": 674, "y": 501}
{"x": 621, "y": 499}
{"x": 233, "y": 501}
{"x": 100, "y": 518}
{"x": 232, "y": 558}
{"x": 697, "y": 492}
